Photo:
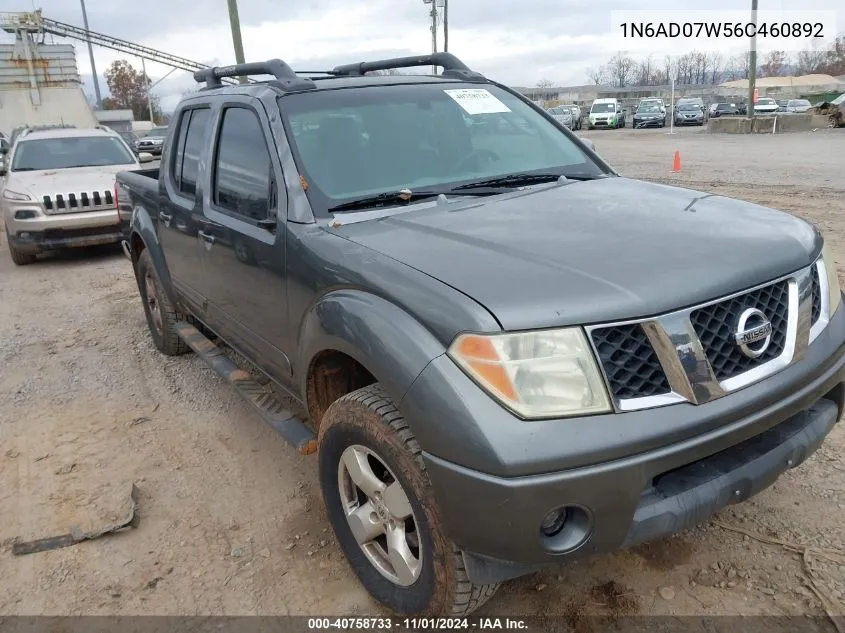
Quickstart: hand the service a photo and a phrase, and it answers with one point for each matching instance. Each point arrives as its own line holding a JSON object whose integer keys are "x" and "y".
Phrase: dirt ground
{"x": 231, "y": 520}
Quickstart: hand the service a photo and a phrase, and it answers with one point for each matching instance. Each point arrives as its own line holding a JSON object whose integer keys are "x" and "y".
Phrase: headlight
{"x": 549, "y": 373}
{"x": 834, "y": 292}
{"x": 8, "y": 194}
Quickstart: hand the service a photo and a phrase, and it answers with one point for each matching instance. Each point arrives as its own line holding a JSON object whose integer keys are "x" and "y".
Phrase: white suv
{"x": 59, "y": 189}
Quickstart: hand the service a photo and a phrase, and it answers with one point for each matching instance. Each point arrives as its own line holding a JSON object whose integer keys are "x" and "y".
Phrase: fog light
{"x": 553, "y": 522}
{"x": 23, "y": 235}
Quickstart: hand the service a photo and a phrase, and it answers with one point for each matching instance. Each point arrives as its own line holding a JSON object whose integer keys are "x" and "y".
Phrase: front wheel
{"x": 381, "y": 506}
{"x": 21, "y": 258}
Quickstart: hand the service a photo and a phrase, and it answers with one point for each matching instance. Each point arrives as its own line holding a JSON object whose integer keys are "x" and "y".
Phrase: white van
{"x": 606, "y": 113}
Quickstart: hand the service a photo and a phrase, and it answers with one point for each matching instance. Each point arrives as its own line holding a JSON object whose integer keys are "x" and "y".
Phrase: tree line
{"x": 701, "y": 67}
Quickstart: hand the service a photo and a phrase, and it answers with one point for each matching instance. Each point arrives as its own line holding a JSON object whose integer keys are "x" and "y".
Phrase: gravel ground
{"x": 231, "y": 520}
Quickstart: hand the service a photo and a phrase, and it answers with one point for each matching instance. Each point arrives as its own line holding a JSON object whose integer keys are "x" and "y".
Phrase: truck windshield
{"x": 357, "y": 143}
{"x": 157, "y": 131}
{"x": 69, "y": 152}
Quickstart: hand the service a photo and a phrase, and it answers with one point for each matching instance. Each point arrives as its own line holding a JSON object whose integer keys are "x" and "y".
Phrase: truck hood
{"x": 64, "y": 181}
{"x": 595, "y": 251}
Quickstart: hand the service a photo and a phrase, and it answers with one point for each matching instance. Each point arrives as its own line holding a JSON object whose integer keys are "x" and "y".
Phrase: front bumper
{"x": 685, "y": 121}
{"x": 65, "y": 230}
{"x": 155, "y": 150}
{"x": 625, "y": 485}
{"x": 641, "y": 123}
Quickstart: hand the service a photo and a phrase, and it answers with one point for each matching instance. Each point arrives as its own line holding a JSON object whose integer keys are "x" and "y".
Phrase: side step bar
{"x": 271, "y": 409}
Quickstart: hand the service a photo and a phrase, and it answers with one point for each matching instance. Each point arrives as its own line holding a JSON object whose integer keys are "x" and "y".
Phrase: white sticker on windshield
{"x": 477, "y": 101}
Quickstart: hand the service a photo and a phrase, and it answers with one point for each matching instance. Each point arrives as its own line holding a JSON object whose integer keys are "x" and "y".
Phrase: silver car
{"x": 59, "y": 189}
{"x": 562, "y": 114}
{"x": 798, "y": 106}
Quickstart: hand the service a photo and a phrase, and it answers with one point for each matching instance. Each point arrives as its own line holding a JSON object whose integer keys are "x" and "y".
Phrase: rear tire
{"x": 162, "y": 317}
{"x": 419, "y": 571}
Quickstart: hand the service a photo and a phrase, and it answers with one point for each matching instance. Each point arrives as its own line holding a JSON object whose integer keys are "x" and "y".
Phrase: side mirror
{"x": 588, "y": 143}
{"x": 145, "y": 157}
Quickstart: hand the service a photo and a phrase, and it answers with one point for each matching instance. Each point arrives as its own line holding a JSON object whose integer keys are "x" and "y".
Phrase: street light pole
{"x": 235, "y": 24}
{"x": 752, "y": 67}
{"x": 91, "y": 56}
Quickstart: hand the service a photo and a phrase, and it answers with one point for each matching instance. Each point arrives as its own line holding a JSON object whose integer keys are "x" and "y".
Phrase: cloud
{"x": 515, "y": 42}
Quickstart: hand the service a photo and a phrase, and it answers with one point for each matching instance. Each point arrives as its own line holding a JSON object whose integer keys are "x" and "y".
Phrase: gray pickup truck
{"x": 509, "y": 355}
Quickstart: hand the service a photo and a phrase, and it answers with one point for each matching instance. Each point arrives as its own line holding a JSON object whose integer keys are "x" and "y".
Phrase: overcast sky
{"x": 518, "y": 42}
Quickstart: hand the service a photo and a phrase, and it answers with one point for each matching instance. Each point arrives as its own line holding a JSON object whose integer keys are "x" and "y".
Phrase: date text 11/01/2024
{"x": 779, "y": 30}
{"x": 415, "y": 624}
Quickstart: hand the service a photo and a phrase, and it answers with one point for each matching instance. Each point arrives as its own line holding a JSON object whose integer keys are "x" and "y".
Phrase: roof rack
{"x": 452, "y": 66}
{"x": 286, "y": 79}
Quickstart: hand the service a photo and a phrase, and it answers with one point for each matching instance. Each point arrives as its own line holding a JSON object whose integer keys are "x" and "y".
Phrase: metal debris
{"x": 77, "y": 536}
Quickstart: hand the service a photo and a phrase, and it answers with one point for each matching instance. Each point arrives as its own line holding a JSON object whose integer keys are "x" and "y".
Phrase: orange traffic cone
{"x": 676, "y": 163}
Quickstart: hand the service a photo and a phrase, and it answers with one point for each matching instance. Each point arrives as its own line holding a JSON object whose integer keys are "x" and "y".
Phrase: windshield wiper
{"x": 391, "y": 198}
{"x": 520, "y": 180}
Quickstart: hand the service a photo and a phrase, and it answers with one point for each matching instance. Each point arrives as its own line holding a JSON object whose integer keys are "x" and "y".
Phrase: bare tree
{"x": 621, "y": 69}
{"x": 644, "y": 72}
{"x": 597, "y": 75}
{"x": 810, "y": 61}
{"x": 669, "y": 67}
{"x": 715, "y": 66}
{"x": 773, "y": 64}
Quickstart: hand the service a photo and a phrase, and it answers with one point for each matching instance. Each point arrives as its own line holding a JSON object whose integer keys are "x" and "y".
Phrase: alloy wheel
{"x": 380, "y": 515}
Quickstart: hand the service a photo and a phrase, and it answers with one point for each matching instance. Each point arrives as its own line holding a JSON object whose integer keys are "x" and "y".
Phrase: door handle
{"x": 206, "y": 237}
{"x": 165, "y": 217}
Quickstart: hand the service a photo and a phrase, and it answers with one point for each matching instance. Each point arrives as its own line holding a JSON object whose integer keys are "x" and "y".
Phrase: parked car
{"x": 510, "y": 355}
{"x": 798, "y": 106}
{"x": 689, "y": 114}
{"x": 723, "y": 109}
{"x": 695, "y": 100}
{"x": 576, "y": 115}
{"x": 152, "y": 141}
{"x": 765, "y": 105}
{"x": 4, "y": 151}
{"x": 649, "y": 114}
{"x": 653, "y": 101}
{"x": 58, "y": 190}
{"x": 606, "y": 113}
{"x": 562, "y": 115}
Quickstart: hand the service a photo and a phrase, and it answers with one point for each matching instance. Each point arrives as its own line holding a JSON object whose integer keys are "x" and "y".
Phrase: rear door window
{"x": 192, "y": 139}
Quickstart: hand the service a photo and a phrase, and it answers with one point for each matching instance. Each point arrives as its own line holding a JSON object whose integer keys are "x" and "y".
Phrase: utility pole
{"x": 752, "y": 67}
{"x": 445, "y": 26}
{"x": 149, "y": 91}
{"x": 91, "y": 56}
{"x": 235, "y": 23}
{"x": 433, "y": 34}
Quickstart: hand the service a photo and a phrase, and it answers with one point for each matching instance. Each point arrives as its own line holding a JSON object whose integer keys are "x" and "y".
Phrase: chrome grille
{"x": 76, "y": 202}
{"x": 716, "y": 324}
{"x": 692, "y": 355}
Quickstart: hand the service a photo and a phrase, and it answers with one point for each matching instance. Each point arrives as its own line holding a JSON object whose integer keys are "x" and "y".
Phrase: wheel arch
{"x": 360, "y": 338}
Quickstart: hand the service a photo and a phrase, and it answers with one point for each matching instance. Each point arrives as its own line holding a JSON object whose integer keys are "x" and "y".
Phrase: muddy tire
{"x": 381, "y": 505}
{"x": 21, "y": 258}
{"x": 161, "y": 315}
